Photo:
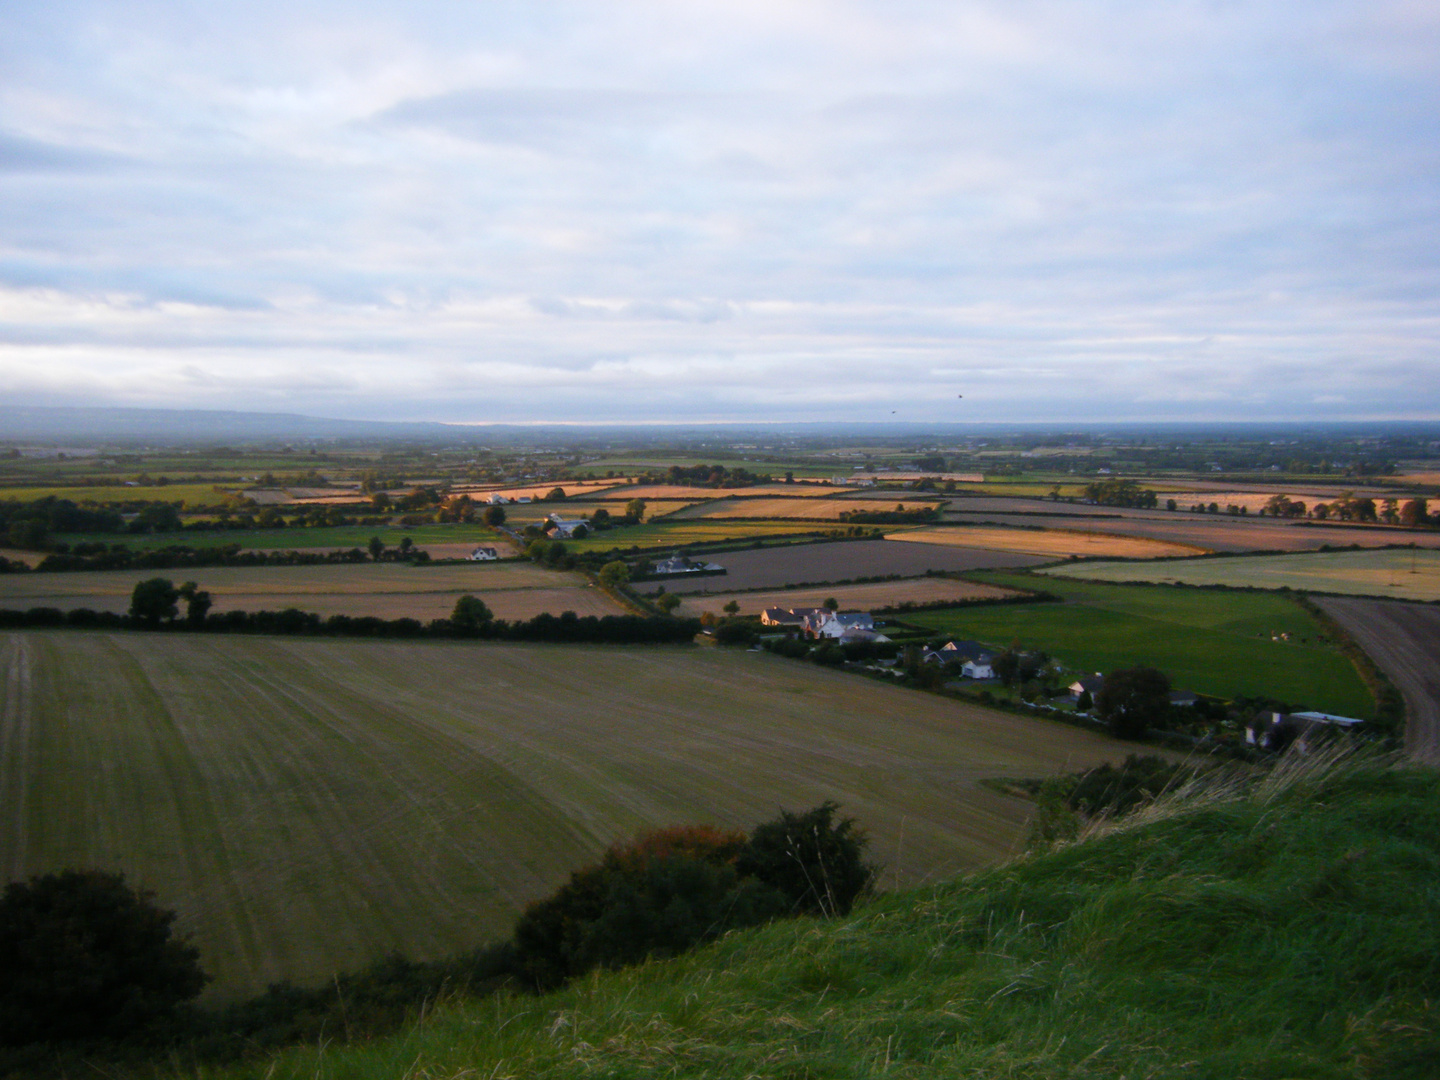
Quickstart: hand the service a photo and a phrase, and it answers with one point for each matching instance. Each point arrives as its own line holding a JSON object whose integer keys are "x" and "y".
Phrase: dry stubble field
{"x": 1400, "y": 573}
{"x": 810, "y": 509}
{"x": 309, "y": 805}
{"x": 518, "y": 590}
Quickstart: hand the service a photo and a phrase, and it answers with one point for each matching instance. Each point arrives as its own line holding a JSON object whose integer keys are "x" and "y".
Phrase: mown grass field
{"x": 307, "y": 806}
{"x": 1059, "y": 543}
{"x": 1397, "y": 573}
{"x": 875, "y": 594}
{"x": 1211, "y": 642}
{"x": 513, "y": 590}
{"x": 202, "y": 494}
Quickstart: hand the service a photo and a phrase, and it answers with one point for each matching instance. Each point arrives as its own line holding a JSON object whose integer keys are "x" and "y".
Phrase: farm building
{"x": 829, "y": 624}
{"x": 1086, "y": 684}
{"x": 496, "y": 499}
{"x": 679, "y": 564}
{"x": 786, "y": 616}
{"x": 483, "y": 554}
{"x": 565, "y": 527}
{"x": 1276, "y": 730}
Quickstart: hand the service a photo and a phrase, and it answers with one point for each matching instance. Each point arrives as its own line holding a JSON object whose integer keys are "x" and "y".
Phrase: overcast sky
{"x": 684, "y": 210}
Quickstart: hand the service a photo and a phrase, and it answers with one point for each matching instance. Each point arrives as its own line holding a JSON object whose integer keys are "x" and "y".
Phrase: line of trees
{"x": 1119, "y": 493}
{"x": 155, "y": 606}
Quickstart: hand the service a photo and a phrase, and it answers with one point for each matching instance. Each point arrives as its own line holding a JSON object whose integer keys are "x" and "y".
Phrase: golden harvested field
{"x": 1253, "y": 501}
{"x": 519, "y": 590}
{"x": 523, "y": 514}
{"x": 536, "y": 491}
{"x": 875, "y": 594}
{"x": 690, "y": 494}
{"x": 806, "y": 508}
{"x": 1401, "y": 573}
{"x": 1058, "y": 543}
{"x": 307, "y": 806}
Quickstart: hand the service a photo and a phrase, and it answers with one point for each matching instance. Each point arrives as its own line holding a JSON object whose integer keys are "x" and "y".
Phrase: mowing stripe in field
{"x": 310, "y": 805}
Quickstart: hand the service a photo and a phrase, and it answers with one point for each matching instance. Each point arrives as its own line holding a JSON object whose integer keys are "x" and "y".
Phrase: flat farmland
{"x": 1401, "y": 573}
{"x": 518, "y": 590}
{"x": 1228, "y": 644}
{"x": 692, "y": 493}
{"x": 668, "y": 533}
{"x": 307, "y": 806}
{"x": 773, "y": 567}
{"x": 1404, "y": 640}
{"x": 519, "y": 514}
{"x": 807, "y": 508}
{"x": 1054, "y": 543}
{"x": 875, "y": 594}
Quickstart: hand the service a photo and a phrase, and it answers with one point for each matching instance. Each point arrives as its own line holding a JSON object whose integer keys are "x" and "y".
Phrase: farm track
{"x": 307, "y": 806}
{"x": 1404, "y": 640}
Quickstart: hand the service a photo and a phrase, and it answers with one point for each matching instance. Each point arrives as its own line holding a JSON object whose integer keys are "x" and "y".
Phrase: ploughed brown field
{"x": 808, "y": 508}
{"x": 1054, "y": 543}
{"x": 513, "y": 590}
{"x": 876, "y": 594}
{"x": 757, "y": 568}
{"x": 1404, "y": 640}
{"x": 310, "y": 805}
{"x": 1214, "y": 532}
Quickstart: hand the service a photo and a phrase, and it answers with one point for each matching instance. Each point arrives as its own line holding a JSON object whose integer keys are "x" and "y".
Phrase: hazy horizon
{"x": 639, "y": 213}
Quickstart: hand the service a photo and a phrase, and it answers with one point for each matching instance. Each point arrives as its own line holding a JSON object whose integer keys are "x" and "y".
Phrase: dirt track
{"x": 1404, "y": 640}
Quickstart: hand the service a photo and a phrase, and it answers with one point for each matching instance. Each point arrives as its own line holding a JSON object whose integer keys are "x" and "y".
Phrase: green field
{"x": 1396, "y": 573}
{"x": 309, "y": 805}
{"x": 329, "y": 539}
{"x": 201, "y": 494}
{"x": 1211, "y": 642}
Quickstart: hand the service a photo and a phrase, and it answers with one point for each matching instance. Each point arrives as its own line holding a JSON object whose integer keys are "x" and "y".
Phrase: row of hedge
{"x": 567, "y": 627}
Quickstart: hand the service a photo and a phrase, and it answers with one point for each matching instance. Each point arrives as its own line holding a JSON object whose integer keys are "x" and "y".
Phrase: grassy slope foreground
{"x": 1290, "y": 933}
{"x": 308, "y": 806}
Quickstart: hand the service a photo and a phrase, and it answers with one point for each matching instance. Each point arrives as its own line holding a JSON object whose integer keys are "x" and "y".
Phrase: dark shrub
{"x": 83, "y": 956}
{"x": 816, "y": 862}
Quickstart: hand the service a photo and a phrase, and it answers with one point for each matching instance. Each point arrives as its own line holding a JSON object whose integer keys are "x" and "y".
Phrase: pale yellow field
{"x": 875, "y": 594}
{"x": 537, "y": 491}
{"x": 690, "y": 493}
{"x": 807, "y": 508}
{"x": 578, "y": 508}
{"x": 1254, "y": 501}
{"x": 385, "y": 590}
{"x": 1056, "y": 542}
{"x": 1404, "y": 574}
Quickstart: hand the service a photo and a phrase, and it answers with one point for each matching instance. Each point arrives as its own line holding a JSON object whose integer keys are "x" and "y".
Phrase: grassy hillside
{"x": 308, "y": 806}
{"x": 1211, "y": 642}
{"x": 1288, "y": 933}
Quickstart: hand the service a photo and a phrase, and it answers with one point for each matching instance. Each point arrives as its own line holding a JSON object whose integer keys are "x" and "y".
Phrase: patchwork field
{"x": 875, "y": 594}
{"x": 1054, "y": 543}
{"x": 309, "y": 805}
{"x": 692, "y": 493}
{"x": 1401, "y": 573}
{"x": 669, "y": 533}
{"x": 517, "y": 590}
{"x": 809, "y": 508}
{"x": 1228, "y": 644}
{"x": 798, "y": 564}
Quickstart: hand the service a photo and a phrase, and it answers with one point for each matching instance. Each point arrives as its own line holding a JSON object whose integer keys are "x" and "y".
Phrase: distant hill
{"x": 19, "y": 422}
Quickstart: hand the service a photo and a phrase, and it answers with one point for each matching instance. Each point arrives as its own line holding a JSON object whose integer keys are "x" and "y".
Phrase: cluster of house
{"x": 846, "y": 627}
{"x": 973, "y": 658}
{"x": 565, "y": 527}
{"x": 679, "y": 564}
{"x": 1277, "y": 730}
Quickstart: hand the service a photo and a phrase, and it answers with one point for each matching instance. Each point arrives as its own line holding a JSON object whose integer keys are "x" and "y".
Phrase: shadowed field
{"x": 309, "y": 805}
{"x": 876, "y": 594}
{"x": 513, "y": 590}
{"x": 1055, "y": 543}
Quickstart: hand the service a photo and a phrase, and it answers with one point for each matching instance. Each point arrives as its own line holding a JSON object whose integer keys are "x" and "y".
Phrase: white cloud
{"x": 807, "y": 210}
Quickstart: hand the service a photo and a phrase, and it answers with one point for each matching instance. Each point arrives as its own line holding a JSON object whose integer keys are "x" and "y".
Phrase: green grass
{"x": 1211, "y": 642}
{"x": 202, "y": 494}
{"x": 1287, "y": 934}
{"x": 308, "y": 806}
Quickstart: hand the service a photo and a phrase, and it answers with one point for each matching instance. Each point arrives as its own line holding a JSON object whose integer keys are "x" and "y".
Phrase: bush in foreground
{"x": 83, "y": 956}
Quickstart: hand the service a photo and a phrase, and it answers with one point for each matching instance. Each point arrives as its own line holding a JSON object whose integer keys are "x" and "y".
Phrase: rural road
{"x": 1404, "y": 640}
